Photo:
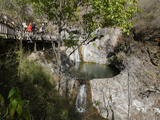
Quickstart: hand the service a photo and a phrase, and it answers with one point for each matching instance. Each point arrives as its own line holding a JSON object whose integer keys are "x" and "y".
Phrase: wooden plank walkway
{"x": 10, "y": 31}
{"x": 11, "y": 35}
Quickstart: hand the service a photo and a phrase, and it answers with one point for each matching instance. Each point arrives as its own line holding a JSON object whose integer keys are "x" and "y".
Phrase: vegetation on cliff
{"x": 35, "y": 86}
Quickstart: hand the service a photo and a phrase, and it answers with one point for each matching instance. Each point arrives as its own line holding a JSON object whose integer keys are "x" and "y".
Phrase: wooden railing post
{"x": 14, "y": 34}
{"x": 6, "y": 29}
{"x": 35, "y": 46}
{"x": 44, "y": 43}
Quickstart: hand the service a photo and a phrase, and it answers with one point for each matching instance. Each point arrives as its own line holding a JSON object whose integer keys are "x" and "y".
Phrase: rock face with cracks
{"x": 116, "y": 97}
{"x": 47, "y": 61}
{"x": 135, "y": 92}
{"x": 98, "y": 50}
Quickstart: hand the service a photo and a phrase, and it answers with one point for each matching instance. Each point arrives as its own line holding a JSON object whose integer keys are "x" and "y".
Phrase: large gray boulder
{"x": 64, "y": 34}
{"x": 115, "y": 97}
{"x": 50, "y": 66}
{"x": 98, "y": 50}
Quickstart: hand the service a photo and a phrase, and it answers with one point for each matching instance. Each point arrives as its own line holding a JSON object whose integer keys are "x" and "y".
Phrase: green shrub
{"x": 17, "y": 108}
{"x": 33, "y": 72}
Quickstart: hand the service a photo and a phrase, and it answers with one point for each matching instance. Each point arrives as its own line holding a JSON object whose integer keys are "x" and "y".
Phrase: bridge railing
{"x": 36, "y": 36}
{"x": 6, "y": 29}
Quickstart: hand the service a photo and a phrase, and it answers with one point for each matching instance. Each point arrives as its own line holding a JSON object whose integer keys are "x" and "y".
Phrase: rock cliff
{"x": 135, "y": 92}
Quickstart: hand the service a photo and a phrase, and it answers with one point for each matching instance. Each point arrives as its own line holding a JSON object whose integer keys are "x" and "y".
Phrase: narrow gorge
{"x": 133, "y": 92}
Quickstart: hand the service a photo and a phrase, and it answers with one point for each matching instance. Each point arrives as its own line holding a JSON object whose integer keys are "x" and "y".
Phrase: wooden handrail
{"x": 7, "y": 25}
{"x": 6, "y": 29}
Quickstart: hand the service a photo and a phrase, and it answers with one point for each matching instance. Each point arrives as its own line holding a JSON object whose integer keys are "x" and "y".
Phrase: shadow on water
{"x": 91, "y": 71}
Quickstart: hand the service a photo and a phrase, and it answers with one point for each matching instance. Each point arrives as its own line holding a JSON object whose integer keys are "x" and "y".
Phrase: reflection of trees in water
{"x": 90, "y": 71}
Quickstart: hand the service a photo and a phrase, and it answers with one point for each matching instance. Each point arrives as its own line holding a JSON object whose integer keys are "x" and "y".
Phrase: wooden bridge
{"x": 10, "y": 34}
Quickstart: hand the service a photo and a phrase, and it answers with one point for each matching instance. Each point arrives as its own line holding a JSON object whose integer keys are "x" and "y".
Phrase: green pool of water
{"x": 91, "y": 71}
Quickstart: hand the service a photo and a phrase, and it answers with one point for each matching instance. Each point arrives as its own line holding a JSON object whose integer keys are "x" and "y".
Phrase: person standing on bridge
{"x": 33, "y": 27}
{"x": 42, "y": 30}
{"x": 24, "y": 26}
{"x": 30, "y": 27}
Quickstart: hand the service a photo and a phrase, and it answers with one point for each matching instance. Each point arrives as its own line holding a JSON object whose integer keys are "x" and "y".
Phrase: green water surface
{"x": 91, "y": 71}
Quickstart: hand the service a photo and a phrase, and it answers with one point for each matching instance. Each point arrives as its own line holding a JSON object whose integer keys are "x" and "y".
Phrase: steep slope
{"x": 147, "y": 23}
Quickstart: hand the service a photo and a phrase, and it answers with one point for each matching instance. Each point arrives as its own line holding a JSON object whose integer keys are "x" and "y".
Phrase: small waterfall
{"x": 81, "y": 99}
{"x": 77, "y": 58}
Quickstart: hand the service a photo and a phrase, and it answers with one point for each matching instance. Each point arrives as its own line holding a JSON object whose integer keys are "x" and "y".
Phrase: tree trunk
{"x": 21, "y": 51}
{"x": 59, "y": 52}
{"x": 59, "y": 61}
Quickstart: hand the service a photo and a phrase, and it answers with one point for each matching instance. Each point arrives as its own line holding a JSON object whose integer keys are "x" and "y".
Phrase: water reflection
{"x": 91, "y": 71}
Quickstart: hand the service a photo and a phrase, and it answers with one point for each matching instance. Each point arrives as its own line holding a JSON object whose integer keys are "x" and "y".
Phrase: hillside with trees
{"x": 30, "y": 91}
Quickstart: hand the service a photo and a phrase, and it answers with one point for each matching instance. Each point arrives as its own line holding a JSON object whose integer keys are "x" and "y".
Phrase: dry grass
{"x": 150, "y": 17}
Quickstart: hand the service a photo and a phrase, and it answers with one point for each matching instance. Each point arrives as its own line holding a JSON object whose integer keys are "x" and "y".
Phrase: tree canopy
{"x": 97, "y": 12}
{"x": 57, "y": 10}
{"x": 116, "y": 12}
{"x": 104, "y": 12}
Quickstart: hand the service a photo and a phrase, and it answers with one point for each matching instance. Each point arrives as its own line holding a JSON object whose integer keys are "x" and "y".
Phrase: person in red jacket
{"x": 30, "y": 27}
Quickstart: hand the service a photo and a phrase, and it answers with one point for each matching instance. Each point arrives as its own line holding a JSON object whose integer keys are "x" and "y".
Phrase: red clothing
{"x": 30, "y": 27}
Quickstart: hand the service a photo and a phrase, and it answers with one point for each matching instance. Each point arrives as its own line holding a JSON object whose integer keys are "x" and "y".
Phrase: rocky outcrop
{"x": 98, "y": 50}
{"x": 125, "y": 94}
{"x": 139, "y": 79}
{"x": 135, "y": 92}
{"x": 47, "y": 60}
